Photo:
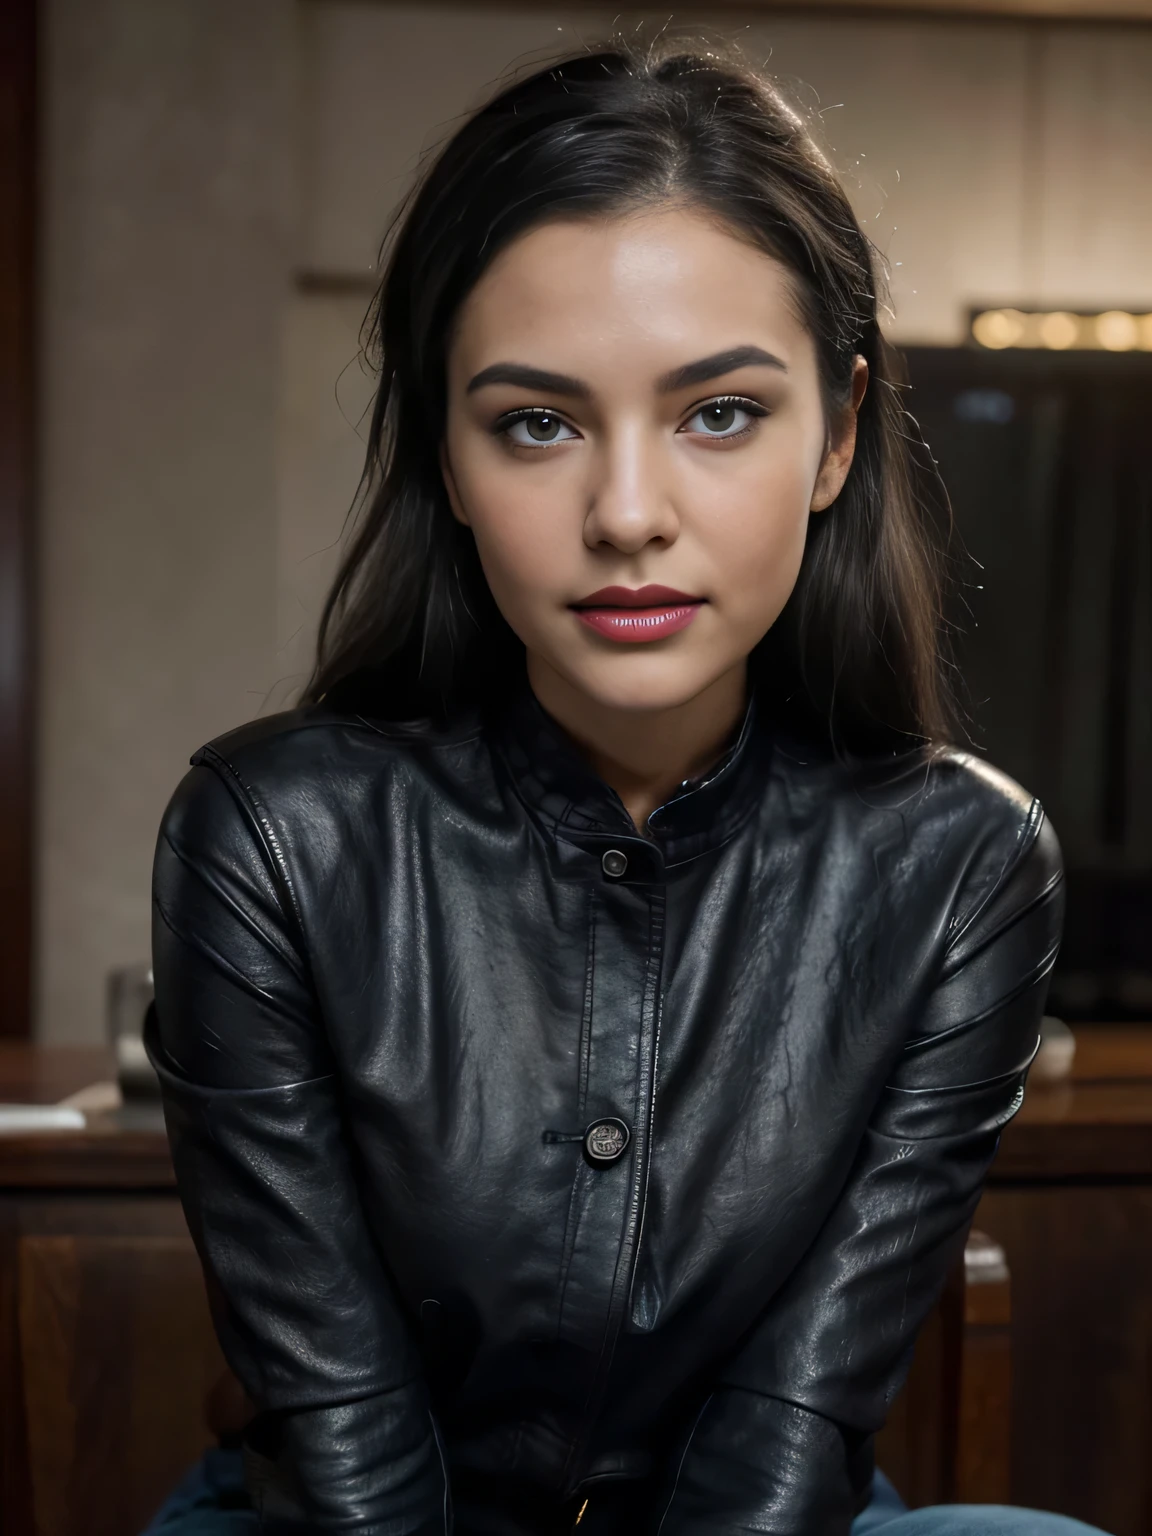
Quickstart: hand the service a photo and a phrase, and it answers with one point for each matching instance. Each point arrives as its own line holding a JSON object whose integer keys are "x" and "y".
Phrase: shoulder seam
{"x": 348, "y": 720}
{"x": 1030, "y": 827}
{"x": 352, "y": 721}
{"x": 227, "y": 771}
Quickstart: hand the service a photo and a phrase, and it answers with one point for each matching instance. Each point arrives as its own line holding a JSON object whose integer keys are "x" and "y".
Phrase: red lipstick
{"x": 637, "y": 614}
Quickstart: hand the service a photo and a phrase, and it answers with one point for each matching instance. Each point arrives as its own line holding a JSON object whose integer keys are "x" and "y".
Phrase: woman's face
{"x": 633, "y": 404}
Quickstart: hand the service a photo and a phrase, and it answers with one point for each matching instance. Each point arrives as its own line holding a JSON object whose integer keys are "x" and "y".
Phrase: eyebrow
{"x": 529, "y": 378}
{"x": 706, "y": 368}
{"x": 699, "y": 372}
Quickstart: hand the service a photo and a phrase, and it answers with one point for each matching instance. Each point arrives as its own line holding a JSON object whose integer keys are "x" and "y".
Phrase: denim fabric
{"x": 205, "y": 1504}
{"x": 209, "y": 1501}
{"x": 888, "y": 1512}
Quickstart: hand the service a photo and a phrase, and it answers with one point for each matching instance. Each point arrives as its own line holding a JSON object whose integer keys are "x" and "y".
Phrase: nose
{"x": 629, "y": 502}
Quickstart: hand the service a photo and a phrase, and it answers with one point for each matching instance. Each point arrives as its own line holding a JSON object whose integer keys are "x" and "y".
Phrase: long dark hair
{"x": 857, "y": 648}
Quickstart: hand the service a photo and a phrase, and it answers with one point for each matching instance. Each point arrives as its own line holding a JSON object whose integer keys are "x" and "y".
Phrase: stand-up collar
{"x": 570, "y": 800}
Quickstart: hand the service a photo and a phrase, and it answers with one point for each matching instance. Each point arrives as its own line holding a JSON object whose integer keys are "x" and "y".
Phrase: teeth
{"x": 651, "y": 618}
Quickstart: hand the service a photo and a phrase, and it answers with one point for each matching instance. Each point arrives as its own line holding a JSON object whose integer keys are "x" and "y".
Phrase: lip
{"x": 652, "y": 596}
{"x": 635, "y": 615}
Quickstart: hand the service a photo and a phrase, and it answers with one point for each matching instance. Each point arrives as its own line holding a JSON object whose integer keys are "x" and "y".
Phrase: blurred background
{"x": 192, "y": 195}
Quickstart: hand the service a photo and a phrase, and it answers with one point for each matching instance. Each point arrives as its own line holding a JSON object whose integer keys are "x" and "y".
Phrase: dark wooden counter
{"x": 1070, "y": 1200}
{"x": 1096, "y": 1123}
{"x": 106, "y": 1349}
{"x": 128, "y": 1151}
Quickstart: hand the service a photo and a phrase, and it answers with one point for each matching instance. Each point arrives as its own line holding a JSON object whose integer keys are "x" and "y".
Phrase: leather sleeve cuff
{"x": 755, "y": 1463}
{"x": 371, "y": 1468}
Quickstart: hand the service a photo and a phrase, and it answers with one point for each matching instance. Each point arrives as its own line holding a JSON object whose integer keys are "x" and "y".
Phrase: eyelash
{"x": 752, "y": 407}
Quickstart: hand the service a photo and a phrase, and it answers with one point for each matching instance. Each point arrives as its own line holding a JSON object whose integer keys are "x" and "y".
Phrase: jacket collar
{"x": 575, "y": 805}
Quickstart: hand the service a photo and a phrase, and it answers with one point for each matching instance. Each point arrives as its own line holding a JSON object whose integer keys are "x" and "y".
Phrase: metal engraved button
{"x": 614, "y": 863}
{"x": 606, "y": 1140}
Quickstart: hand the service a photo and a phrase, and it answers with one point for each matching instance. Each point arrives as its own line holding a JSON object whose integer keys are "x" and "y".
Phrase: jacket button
{"x": 614, "y": 863}
{"x": 606, "y": 1140}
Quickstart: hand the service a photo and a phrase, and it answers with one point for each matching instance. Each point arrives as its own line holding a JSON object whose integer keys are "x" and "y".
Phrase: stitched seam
{"x": 589, "y": 993}
{"x": 657, "y": 941}
{"x": 267, "y": 831}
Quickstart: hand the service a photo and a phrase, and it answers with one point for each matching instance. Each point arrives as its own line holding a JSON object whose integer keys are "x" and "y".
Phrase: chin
{"x": 646, "y": 684}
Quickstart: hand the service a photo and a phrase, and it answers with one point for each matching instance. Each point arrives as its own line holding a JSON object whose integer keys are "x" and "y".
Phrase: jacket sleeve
{"x": 783, "y": 1443}
{"x": 302, "y": 1302}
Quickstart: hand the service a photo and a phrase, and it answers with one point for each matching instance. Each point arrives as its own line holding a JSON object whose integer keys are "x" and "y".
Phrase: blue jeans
{"x": 200, "y": 1507}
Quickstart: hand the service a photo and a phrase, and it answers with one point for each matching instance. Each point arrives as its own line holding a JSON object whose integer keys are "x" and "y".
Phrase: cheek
{"x": 757, "y": 533}
{"x": 514, "y": 523}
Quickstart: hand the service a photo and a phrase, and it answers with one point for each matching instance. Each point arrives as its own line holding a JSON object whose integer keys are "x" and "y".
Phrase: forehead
{"x": 646, "y": 290}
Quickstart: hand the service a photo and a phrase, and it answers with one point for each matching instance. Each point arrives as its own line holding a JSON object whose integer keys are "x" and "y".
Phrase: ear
{"x": 450, "y": 486}
{"x": 841, "y": 444}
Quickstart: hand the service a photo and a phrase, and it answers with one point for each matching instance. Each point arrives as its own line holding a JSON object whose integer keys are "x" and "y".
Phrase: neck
{"x": 645, "y": 755}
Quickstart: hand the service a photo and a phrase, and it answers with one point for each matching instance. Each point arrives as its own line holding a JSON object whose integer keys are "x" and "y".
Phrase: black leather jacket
{"x": 534, "y": 1161}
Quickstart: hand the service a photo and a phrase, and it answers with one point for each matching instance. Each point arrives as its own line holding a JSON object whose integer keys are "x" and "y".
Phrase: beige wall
{"x": 200, "y": 408}
{"x": 168, "y": 239}
{"x": 989, "y": 160}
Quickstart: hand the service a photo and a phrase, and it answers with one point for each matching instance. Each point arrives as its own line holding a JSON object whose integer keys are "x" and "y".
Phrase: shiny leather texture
{"x": 394, "y": 987}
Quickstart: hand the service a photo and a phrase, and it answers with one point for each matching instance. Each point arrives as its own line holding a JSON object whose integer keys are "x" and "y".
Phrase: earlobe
{"x": 454, "y": 501}
{"x": 838, "y": 459}
{"x": 829, "y": 484}
{"x": 834, "y": 470}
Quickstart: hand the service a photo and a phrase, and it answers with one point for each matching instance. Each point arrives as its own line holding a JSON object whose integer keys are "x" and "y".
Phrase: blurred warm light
{"x": 1059, "y": 330}
{"x": 1117, "y": 331}
{"x": 998, "y": 328}
{"x": 1113, "y": 330}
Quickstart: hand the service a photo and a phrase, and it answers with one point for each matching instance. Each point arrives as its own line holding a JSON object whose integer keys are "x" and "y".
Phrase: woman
{"x": 585, "y": 1025}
